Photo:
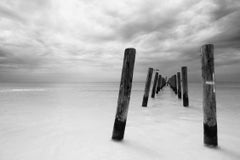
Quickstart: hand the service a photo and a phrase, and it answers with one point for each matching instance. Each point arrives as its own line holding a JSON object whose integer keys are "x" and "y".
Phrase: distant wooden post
{"x": 147, "y": 87}
{"x": 159, "y": 83}
{"x": 175, "y": 84}
{"x": 124, "y": 94}
{"x": 154, "y": 85}
{"x": 185, "y": 86}
{"x": 179, "y": 85}
{"x": 209, "y": 97}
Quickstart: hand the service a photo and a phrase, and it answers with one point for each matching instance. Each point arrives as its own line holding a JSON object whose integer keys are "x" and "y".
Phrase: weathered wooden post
{"x": 185, "y": 86}
{"x": 124, "y": 94}
{"x": 175, "y": 84}
{"x": 147, "y": 87}
{"x": 209, "y": 97}
{"x": 154, "y": 84}
{"x": 179, "y": 85}
{"x": 159, "y": 83}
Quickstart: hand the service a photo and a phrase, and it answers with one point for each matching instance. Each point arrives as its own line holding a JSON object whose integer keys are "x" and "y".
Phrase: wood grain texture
{"x": 147, "y": 87}
{"x": 124, "y": 94}
{"x": 159, "y": 84}
{"x": 185, "y": 86}
{"x": 209, "y": 97}
{"x": 179, "y": 85}
{"x": 175, "y": 83}
{"x": 154, "y": 85}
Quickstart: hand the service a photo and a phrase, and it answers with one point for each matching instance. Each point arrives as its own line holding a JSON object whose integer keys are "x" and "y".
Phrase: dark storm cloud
{"x": 144, "y": 25}
{"x": 226, "y": 41}
{"x": 224, "y": 8}
{"x": 149, "y": 18}
{"x": 8, "y": 13}
{"x": 230, "y": 31}
{"x": 224, "y": 18}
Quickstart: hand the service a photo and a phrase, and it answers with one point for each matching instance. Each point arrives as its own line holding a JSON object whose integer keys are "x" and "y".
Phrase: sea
{"x": 68, "y": 121}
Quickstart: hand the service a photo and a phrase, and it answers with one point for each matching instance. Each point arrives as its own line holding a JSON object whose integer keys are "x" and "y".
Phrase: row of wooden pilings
{"x": 179, "y": 85}
{"x": 158, "y": 83}
{"x": 209, "y": 98}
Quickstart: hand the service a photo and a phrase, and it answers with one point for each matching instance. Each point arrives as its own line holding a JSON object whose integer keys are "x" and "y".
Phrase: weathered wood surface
{"x": 124, "y": 94}
{"x": 209, "y": 97}
{"x": 185, "y": 86}
{"x": 175, "y": 83}
{"x": 159, "y": 84}
{"x": 147, "y": 87}
{"x": 154, "y": 85}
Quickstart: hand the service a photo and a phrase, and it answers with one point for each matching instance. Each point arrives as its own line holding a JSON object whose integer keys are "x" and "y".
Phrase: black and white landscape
{"x": 60, "y": 72}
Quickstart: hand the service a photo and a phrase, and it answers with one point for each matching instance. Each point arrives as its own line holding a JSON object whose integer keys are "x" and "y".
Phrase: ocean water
{"x": 74, "y": 121}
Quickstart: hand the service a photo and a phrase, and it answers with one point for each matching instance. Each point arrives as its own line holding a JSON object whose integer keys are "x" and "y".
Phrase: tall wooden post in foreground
{"x": 154, "y": 85}
{"x": 124, "y": 94}
{"x": 179, "y": 85}
{"x": 185, "y": 86}
{"x": 147, "y": 87}
{"x": 209, "y": 97}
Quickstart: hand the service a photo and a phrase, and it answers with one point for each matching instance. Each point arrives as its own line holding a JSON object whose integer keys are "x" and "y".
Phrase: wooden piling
{"x": 147, "y": 87}
{"x": 209, "y": 97}
{"x": 175, "y": 83}
{"x": 124, "y": 94}
{"x": 159, "y": 84}
{"x": 172, "y": 83}
{"x": 185, "y": 86}
{"x": 179, "y": 85}
{"x": 154, "y": 85}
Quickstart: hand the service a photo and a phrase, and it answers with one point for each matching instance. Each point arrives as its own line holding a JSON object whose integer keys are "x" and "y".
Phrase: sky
{"x": 84, "y": 40}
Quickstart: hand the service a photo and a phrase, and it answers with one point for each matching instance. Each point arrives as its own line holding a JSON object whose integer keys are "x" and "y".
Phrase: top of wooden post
{"x": 130, "y": 50}
{"x": 209, "y": 44}
{"x": 207, "y": 47}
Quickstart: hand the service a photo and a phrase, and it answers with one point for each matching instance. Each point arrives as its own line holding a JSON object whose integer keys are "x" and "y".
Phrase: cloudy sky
{"x": 84, "y": 40}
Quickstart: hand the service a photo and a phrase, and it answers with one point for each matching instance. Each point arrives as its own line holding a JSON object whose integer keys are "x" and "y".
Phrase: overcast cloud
{"x": 84, "y": 40}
